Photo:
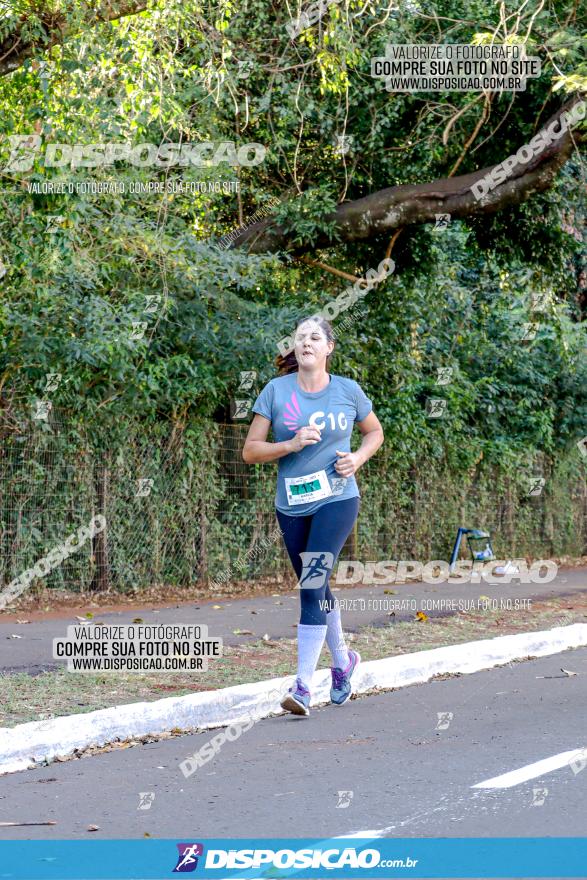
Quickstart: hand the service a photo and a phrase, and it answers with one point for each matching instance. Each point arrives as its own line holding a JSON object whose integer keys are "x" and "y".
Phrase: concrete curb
{"x": 26, "y": 745}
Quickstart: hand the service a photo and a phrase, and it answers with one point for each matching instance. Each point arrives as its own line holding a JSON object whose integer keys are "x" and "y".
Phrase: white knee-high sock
{"x": 310, "y": 641}
{"x": 335, "y": 639}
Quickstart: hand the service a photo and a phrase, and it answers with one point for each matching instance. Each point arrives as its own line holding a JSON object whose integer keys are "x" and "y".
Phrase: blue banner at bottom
{"x": 224, "y": 858}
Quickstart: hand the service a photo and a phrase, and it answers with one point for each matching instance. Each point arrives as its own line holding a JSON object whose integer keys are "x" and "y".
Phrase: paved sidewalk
{"x": 396, "y": 764}
{"x": 277, "y": 615}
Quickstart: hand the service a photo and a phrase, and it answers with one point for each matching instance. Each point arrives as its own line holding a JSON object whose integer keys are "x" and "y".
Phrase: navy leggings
{"x": 322, "y": 532}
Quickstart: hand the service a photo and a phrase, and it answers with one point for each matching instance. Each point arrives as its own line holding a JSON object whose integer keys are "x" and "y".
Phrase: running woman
{"x": 312, "y": 413}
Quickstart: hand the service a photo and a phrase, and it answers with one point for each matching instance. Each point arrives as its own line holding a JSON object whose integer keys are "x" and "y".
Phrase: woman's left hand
{"x": 347, "y": 464}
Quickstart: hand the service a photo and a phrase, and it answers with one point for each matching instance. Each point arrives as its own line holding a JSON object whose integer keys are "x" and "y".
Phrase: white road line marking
{"x": 531, "y": 771}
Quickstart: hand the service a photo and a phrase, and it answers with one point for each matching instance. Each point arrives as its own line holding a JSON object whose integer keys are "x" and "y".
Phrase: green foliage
{"x": 83, "y": 268}
{"x": 181, "y": 506}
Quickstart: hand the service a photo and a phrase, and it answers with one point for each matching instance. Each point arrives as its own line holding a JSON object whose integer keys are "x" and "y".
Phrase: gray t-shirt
{"x": 307, "y": 479}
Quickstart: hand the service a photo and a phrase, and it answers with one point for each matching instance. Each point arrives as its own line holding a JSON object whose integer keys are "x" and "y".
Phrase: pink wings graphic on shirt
{"x": 292, "y": 413}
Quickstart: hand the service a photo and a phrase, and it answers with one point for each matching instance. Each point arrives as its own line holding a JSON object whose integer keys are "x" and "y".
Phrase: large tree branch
{"x": 50, "y": 28}
{"x": 389, "y": 209}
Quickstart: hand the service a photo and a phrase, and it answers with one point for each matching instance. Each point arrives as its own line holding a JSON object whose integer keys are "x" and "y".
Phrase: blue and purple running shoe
{"x": 297, "y": 699}
{"x": 341, "y": 679}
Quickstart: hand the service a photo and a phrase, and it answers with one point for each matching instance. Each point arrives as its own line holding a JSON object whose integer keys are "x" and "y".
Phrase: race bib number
{"x": 303, "y": 490}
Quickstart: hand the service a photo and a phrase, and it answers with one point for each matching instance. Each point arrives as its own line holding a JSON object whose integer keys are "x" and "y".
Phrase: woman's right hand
{"x": 305, "y": 437}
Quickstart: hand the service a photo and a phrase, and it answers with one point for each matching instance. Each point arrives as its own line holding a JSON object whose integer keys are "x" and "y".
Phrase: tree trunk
{"x": 383, "y": 212}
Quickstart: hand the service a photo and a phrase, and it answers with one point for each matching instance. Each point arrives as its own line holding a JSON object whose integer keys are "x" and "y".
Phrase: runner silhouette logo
{"x": 188, "y": 857}
{"x": 316, "y": 568}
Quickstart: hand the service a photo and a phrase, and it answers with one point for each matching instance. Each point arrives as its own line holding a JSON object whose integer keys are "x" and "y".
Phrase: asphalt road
{"x": 410, "y": 774}
{"x": 275, "y": 615}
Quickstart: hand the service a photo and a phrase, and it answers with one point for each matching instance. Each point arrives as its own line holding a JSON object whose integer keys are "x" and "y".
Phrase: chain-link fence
{"x": 181, "y": 507}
